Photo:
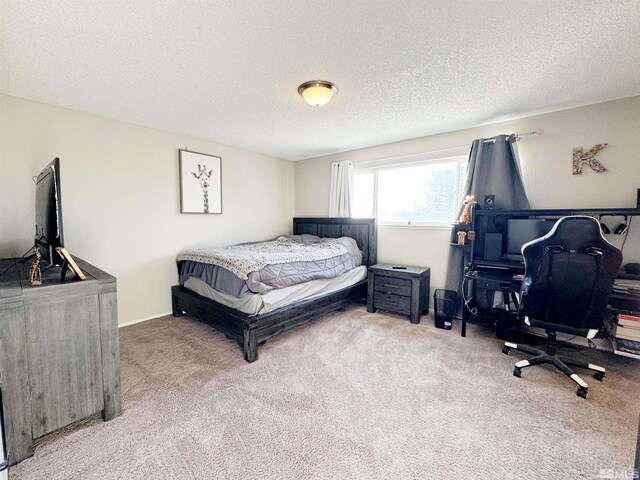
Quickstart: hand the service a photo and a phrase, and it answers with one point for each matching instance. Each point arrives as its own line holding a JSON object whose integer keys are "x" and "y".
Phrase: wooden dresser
{"x": 399, "y": 289}
{"x": 59, "y": 352}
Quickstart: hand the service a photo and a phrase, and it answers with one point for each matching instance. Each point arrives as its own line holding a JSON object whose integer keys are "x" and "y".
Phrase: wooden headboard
{"x": 363, "y": 230}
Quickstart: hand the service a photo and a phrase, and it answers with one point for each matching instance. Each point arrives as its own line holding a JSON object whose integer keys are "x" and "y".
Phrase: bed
{"x": 252, "y": 330}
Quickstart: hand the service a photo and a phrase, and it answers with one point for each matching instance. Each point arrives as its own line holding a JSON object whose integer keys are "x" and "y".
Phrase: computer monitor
{"x": 524, "y": 230}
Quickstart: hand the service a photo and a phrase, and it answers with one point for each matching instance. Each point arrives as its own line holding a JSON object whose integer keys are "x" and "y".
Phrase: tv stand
{"x": 59, "y": 352}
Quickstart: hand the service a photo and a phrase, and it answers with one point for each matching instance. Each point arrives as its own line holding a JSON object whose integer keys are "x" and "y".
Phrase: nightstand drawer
{"x": 392, "y": 302}
{"x": 398, "y": 286}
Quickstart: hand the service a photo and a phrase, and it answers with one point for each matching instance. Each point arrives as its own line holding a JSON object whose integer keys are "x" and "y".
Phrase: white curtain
{"x": 340, "y": 191}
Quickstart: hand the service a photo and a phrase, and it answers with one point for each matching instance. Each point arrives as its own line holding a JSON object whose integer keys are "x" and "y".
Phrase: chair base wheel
{"x": 517, "y": 372}
{"x": 599, "y": 376}
{"x": 582, "y": 392}
{"x": 506, "y": 350}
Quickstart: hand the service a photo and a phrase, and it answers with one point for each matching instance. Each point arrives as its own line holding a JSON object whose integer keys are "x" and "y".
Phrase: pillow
{"x": 305, "y": 238}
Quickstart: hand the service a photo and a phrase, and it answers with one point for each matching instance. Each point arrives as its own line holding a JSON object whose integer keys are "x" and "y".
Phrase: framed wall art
{"x": 200, "y": 182}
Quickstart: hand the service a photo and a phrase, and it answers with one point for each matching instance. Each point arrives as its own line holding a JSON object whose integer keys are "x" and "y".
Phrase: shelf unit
{"x": 557, "y": 212}
{"x": 480, "y": 219}
{"x": 460, "y": 227}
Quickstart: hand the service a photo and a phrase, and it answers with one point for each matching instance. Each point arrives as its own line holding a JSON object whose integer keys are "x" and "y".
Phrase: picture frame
{"x": 70, "y": 263}
{"x": 200, "y": 182}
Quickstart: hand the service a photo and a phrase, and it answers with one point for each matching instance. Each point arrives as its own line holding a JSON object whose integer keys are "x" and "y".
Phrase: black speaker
{"x": 492, "y": 246}
{"x": 490, "y": 201}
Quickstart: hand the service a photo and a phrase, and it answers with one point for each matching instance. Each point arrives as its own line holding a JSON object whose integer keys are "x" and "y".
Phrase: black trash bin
{"x": 444, "y": 306}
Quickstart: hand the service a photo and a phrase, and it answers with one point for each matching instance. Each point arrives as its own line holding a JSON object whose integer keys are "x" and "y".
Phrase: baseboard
{"x": 140, "y": 320}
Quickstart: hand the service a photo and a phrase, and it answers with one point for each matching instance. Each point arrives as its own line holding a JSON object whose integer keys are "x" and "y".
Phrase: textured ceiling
{"x": 228, "y": 70}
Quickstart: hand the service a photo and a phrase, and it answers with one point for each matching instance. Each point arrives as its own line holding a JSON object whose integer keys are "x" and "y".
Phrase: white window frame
{"x": 368, "y": 167}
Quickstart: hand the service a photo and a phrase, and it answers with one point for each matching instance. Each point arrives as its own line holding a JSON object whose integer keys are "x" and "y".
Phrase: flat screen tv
{"x": 49, "y": 214}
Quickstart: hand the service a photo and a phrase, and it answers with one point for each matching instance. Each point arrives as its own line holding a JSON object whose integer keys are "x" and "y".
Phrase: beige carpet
{"x": 352, "y": 395}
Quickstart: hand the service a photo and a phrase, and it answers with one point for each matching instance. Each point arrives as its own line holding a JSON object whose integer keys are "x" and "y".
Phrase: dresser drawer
{"x": 398, "y": 286}
{"x": 392, "y": 302}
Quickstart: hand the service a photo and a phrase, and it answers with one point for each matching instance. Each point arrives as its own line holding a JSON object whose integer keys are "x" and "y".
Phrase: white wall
{"x": 546, "y": 167}
{"x": 120, "y": 196}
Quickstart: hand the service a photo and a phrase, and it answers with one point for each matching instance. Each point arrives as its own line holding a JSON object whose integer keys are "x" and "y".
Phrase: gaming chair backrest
{"x": 569, "y": 274}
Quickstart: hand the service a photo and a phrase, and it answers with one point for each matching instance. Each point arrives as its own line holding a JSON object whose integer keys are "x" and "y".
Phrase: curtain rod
{"x": 517, "y": 137}
{"x": 535, "y": 133}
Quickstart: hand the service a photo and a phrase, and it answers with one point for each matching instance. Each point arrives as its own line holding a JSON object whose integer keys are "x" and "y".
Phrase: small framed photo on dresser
{"x": 200, "y": 182}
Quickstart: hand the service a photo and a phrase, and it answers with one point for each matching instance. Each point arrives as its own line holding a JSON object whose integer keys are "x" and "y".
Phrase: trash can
{"x": 444, "y": 306}
{"x": 4, "y": 461}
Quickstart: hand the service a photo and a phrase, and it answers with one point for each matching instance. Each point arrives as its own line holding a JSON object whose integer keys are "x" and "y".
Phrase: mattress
{"x": 256, "y": 303}
{"x": 263, "y": 266}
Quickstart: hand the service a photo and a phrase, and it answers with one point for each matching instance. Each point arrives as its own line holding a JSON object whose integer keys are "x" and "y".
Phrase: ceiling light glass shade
{"x": 317, "y": 92}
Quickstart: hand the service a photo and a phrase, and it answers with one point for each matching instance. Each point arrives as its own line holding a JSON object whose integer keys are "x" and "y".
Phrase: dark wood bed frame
{"x": 251, "y": 331}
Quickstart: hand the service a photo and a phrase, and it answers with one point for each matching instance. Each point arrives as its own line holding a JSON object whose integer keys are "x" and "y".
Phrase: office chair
{"x": 569, "y": 274}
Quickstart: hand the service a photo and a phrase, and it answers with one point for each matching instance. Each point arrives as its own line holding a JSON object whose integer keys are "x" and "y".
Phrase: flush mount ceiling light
{"x": 317, "y": 92}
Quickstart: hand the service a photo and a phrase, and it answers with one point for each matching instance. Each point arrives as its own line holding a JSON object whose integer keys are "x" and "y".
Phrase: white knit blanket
{"x": 250, "y": 257}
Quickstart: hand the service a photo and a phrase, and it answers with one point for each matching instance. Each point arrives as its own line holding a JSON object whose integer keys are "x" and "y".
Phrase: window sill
{"x": 447, "y": 227}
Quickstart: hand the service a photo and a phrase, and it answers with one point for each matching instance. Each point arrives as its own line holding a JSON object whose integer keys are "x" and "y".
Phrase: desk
{"x": 497, "y": 275}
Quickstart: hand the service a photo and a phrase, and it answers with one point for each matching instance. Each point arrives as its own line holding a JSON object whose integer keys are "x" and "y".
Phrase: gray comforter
{"x": 277, "y": 275}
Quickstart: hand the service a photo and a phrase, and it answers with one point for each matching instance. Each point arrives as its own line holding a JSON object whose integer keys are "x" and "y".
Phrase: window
{"x": 421, "y": 193}
{"x": 363, "y": 192}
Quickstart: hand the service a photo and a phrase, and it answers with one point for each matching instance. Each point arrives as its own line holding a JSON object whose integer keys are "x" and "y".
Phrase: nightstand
{"x": 399, "y": 289}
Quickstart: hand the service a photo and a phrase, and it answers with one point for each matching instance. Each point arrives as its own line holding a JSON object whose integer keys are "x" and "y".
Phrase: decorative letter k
{"x": 587, "y": 158}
